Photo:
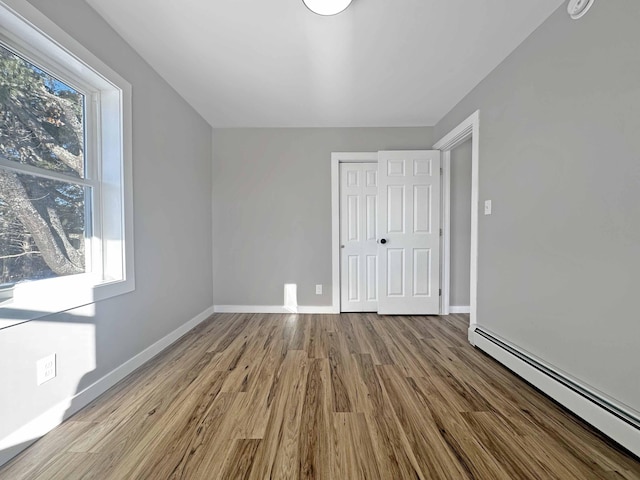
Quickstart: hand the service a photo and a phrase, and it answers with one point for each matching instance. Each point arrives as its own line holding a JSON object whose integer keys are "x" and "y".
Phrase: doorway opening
{"x": 469, "y": 129}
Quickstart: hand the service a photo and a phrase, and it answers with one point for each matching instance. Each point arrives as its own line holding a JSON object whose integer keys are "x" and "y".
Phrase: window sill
{"x": 34, "y": 300}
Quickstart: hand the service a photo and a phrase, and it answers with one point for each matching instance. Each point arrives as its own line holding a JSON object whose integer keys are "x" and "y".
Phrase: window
{"x": 45, "y": 209}
{"x": 65, "y": 171}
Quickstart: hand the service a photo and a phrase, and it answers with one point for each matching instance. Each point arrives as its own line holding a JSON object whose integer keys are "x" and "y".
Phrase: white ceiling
{"x": 273, "y": 63}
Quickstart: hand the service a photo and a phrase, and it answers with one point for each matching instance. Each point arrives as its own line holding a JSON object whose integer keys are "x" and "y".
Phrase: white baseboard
{"x": 460, "y": 309}
{"x": 471, "y": 335}
{"x": 273, "y": 309}
{"x": 322, "y": 310}
{"x": 610, "y": 420}
{"x": 20, "y": 439}
{"x": 251, "y": 309}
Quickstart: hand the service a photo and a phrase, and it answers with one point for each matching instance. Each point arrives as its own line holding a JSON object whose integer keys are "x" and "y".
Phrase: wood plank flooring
{"x": 352, "y": 396}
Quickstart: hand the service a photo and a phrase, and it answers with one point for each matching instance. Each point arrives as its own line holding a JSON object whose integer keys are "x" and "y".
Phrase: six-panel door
{"x": 409, "y": 226}
{"x": 358, "y": 229}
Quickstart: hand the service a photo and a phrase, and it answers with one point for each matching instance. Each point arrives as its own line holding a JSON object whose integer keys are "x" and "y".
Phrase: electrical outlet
{"x": 46, "y": 369}
{"x": 487, "y": 207}
{"x": 318, "y": 289}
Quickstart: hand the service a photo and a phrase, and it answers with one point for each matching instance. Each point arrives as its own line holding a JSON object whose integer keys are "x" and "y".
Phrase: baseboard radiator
{"x": 614, "y": 420}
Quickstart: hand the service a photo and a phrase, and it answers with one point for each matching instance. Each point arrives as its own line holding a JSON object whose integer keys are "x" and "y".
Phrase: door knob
{"x": 383, "y": 241}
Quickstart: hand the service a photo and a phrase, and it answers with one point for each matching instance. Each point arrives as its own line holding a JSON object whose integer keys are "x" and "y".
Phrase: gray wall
{"x": 559, "y": 259}
{"x": 172, "y": 198}
{"x": 272, "y": 207}
{"x": 460, "y": 225}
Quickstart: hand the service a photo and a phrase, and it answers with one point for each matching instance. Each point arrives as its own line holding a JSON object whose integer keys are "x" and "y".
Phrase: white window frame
{"x": 110, "y": 264}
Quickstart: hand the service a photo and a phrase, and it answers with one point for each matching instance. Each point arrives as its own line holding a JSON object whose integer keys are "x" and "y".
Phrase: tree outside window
{"x": 44, "y": 214}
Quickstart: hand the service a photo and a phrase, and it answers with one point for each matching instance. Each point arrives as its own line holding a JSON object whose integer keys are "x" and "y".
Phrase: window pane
{"x": 42, "y": 228}
{"x": 41, "y": 118}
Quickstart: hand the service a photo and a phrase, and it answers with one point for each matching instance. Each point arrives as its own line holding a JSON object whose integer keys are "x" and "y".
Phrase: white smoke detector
{"x": 578, "y": 8}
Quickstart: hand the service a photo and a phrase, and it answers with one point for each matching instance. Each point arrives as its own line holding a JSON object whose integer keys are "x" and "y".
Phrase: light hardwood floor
{"x": 354, "y": 396}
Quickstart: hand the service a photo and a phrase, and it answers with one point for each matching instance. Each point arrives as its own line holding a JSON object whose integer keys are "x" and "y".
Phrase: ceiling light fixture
{"x": 578, "y": 8}
{"x": 327, "y": 7}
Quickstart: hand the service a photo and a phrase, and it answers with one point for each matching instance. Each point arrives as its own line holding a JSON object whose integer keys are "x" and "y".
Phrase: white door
{"x": 358, "y": 247}
{"x": 409, "y": 232}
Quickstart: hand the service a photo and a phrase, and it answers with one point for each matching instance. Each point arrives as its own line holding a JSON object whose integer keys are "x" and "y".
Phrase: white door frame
{"x": 336, "y": 159}
{"x": 468, "y": 129}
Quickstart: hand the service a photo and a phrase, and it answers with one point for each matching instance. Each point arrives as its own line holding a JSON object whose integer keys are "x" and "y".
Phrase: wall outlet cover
{"x": 46, "y": 369}
{"x": 487, "y": 207}
{"x": 318, "y": 289}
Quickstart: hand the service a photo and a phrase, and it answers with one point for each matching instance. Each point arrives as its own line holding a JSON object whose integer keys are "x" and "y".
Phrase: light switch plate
{"x": 487, "y": 207}
{"x": 318, "y": 289}
{"x": 46, "y": 369}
